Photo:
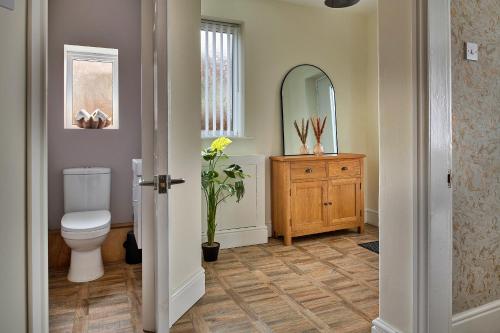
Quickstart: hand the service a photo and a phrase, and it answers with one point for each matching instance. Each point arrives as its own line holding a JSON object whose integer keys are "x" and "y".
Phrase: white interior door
{"x": 147, "y": 193}
{"x": 155, "y": 182}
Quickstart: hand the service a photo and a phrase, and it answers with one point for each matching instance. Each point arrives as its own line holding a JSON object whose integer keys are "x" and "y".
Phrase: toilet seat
{"x": 85, "y": 225}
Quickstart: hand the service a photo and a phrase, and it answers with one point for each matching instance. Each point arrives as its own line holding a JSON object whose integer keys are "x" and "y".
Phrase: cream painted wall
{"x": 184, "y": 140}
{"x": 397, "y": 161}
{"x": 13, "y": 310}
{"x": 371, "y": 118}
{"x": 278, "y": 36}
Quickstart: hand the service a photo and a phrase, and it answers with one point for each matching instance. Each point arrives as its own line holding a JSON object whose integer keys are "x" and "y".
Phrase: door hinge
{"x": 360, "y": 186}
{"x": 290, "y": 192}
{"x": 449, "y": 178}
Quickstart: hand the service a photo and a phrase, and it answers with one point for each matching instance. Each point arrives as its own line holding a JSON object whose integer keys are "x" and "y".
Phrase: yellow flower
{"x": 220, "y": 144}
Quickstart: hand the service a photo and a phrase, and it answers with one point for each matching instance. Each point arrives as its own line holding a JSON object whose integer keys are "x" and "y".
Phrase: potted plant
{"x": 218, "y": 186}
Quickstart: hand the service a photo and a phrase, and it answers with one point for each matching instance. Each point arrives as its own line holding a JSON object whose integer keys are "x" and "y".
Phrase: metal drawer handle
{"x": 309, "y": 170}
{"x": 344, "y": 168}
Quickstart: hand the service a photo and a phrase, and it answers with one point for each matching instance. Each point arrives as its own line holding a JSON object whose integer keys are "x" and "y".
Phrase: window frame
{"x": 89, "y": 53}
{"x": 238, "y": 105}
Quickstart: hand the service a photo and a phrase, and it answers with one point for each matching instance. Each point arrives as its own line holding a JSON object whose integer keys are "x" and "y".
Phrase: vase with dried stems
{"x": 318, "y": 127}
{"x": 302, "y": 133}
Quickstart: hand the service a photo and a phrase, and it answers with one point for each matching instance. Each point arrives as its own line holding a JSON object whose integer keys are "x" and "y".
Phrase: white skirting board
{"x": 240, "y": 237}
{"x": 380, "y": 326}
{"x": 371, "y": 217}
{"x": 186, "y": 296}
{"x": 269, "y": 226}
{"x": 483, "y": 319}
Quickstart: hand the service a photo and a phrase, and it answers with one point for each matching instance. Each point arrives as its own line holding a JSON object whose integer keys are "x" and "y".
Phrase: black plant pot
{"x": 210, "y": 253}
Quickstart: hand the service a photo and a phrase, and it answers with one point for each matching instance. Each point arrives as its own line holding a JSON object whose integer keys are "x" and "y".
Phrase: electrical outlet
{"x": 471, "y": 51}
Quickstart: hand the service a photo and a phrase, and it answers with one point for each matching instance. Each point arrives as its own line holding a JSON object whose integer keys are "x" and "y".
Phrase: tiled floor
{"x": 110, "y": 304}
{"x": 324, "y": 283}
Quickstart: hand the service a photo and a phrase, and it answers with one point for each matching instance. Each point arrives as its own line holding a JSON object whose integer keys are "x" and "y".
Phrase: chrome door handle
{"x": 174, "y": 181}
{"x": 162, "y": 181}
{"x": 143, "y": 182}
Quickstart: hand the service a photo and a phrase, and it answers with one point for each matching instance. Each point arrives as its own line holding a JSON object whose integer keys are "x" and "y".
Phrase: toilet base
{"x": 85, "y": 266}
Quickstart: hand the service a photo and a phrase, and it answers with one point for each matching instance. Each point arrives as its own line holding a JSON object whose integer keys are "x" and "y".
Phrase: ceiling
{"x": 364, "y": 6}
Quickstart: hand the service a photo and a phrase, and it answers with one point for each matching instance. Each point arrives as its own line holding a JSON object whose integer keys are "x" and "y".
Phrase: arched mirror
{"x": 307, "y": 96}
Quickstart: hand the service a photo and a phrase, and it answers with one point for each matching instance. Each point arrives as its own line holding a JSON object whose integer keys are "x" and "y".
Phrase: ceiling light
{"x": 340, "y": 3}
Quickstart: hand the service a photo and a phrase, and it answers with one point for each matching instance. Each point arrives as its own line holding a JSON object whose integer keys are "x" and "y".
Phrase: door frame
{"x": 37, "y": 176}
{"x": 432, "y": 233}
{"x": 36, "y": 168}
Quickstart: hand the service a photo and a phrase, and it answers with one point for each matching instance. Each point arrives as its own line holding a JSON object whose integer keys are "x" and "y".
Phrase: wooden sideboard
{"x": 315, "y": 194}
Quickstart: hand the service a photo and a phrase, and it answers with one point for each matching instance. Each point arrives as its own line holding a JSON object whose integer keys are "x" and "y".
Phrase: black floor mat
{"x": 372, "y": 246}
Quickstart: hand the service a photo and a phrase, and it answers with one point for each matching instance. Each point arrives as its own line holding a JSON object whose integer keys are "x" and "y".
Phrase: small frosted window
{"x": 91, "y": 87}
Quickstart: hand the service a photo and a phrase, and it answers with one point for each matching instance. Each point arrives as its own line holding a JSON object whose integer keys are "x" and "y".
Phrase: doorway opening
{"x": 95, "y": 132}
{"x": 332, "y": 207}
{"x": 41, "y": 290}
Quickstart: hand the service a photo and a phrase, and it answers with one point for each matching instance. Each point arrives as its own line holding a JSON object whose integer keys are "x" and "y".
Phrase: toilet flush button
{"x": 471, "y": 51}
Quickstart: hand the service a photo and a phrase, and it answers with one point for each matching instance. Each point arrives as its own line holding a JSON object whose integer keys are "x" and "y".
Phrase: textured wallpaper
{"x": 476, "y": 154}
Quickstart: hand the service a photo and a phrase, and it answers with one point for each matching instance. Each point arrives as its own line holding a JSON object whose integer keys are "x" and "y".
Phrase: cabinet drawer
{"x": 308, "y": 170}
{"x": 344, "y": 169}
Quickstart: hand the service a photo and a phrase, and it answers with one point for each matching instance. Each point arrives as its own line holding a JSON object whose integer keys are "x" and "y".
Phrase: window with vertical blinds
{"x": 221, "y": 112}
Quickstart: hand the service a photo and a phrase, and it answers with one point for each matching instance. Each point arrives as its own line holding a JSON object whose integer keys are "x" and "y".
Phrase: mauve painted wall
{"x": 99, "y": 23}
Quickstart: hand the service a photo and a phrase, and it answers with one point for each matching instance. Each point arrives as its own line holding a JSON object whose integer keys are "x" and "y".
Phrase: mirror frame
{"x": 283, "y": 111}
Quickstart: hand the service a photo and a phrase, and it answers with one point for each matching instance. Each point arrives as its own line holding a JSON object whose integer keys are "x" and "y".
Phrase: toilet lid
{"x": 86, "y": 221}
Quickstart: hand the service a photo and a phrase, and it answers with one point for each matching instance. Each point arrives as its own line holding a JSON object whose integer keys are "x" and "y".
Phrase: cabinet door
{"x": 344, "y": 202}
{"x": 309, "y": 206}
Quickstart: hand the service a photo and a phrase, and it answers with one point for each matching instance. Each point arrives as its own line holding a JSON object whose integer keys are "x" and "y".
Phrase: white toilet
{"x": 86, "y": 222}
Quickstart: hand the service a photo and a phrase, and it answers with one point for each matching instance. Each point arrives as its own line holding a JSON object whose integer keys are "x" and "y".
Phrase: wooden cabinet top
{"x": 325, "y": 157}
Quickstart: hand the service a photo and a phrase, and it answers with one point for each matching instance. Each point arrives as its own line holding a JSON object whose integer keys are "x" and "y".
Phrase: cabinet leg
{"x": 361, "y": 229}
{"x": 287, "y": 240}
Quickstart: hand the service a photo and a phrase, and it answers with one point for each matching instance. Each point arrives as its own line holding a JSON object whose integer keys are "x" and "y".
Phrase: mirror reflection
{"x": 308, "y": 106}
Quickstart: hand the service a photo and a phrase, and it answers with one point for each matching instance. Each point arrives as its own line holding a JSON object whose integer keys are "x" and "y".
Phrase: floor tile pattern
{"x": 322, "y": 283}
{"x": 109, "y": 304}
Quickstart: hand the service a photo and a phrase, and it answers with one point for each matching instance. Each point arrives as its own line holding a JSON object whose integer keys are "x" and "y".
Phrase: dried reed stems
{"x": 318, "y": 127}
{"x": 303, "y": 131}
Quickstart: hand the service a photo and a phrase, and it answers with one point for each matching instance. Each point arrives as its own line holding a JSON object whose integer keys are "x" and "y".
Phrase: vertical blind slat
{"x": 228, "y": 81}
{"x": 221, "y": 88}
{"x": 236, "y": 116}
{"x": 214, "y": 82}
{"x": 207, "y": 107}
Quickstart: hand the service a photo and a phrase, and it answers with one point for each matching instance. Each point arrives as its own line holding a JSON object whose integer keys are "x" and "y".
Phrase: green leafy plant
{"x": 219, "y": 186}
